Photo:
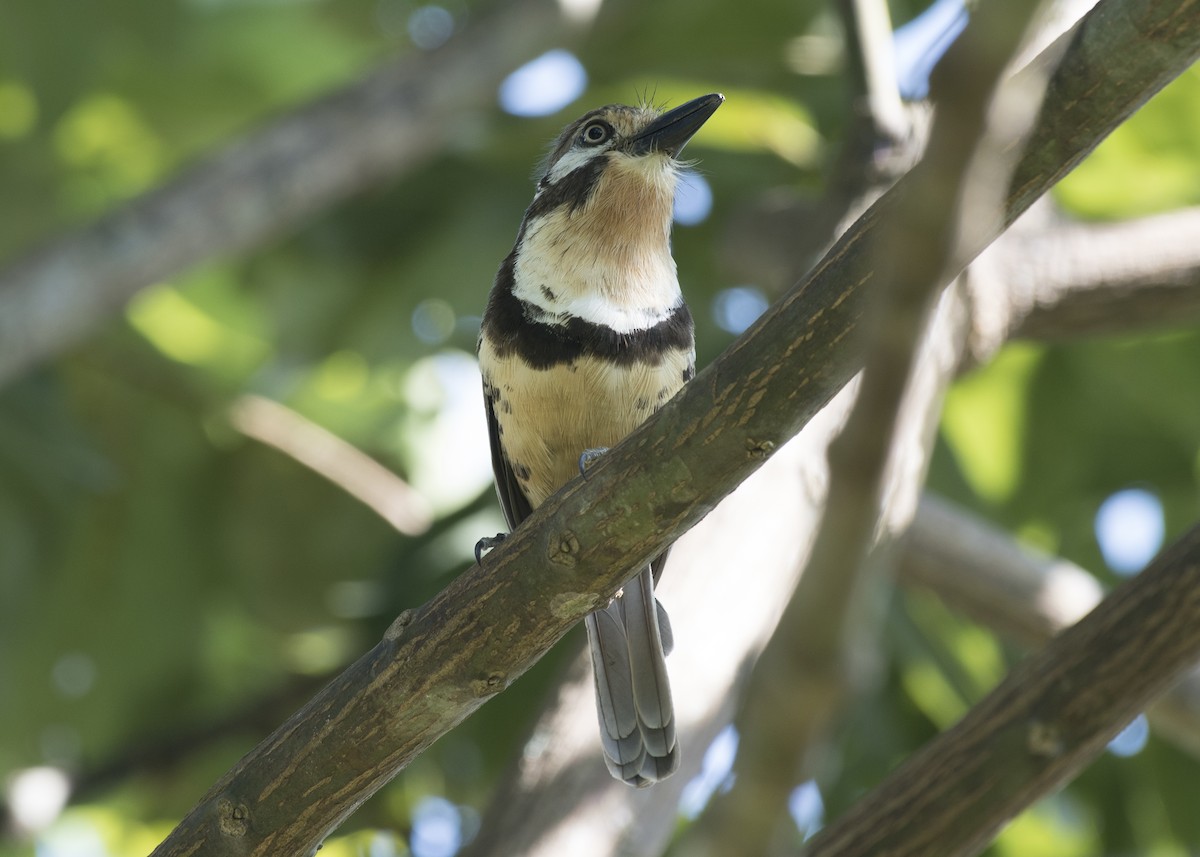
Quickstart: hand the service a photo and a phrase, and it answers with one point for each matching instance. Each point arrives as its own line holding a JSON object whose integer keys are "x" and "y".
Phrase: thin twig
{"x": 872, "y": 67}
{"x": 343, "y": 464}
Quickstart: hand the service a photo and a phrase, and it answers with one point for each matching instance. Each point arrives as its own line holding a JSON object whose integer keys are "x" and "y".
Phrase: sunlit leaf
{"x": 983, "y": 421}
{"x": 1149, "y": 164}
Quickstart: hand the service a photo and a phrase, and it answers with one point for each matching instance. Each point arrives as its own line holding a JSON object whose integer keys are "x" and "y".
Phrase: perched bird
{"x": 585, "y": 334}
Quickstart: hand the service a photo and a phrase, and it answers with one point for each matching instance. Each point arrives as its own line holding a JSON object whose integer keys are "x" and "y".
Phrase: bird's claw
{"x": 589, "y": 457}
{"x": 486, "y": 544}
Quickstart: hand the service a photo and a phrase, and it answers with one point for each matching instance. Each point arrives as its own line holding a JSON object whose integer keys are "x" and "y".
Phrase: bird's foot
{"x": 486, "y": 544}
{"x": 590, "y": 457}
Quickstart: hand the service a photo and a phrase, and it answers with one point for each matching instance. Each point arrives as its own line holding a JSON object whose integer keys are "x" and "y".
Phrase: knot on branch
{"x": 1045, "y": 740}
{"x": 489, "y": 685}
{"x": 564, "y": 549}
{"x": 396, "y": 629}
{"x": 759, "y": 449}
{"x": 233, "y": 818}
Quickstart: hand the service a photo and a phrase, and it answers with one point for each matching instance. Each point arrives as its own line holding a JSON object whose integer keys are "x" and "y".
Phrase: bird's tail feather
{"x": 633, "y": 693}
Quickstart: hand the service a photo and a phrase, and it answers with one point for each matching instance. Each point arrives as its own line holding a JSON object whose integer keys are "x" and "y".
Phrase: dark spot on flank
{"x": 689, "y": 372}
{"x": 548, "y": 294}
{"x": 521, "y": 471}
{"x": 664, "y": 394}
{"x": 642, "y": 403}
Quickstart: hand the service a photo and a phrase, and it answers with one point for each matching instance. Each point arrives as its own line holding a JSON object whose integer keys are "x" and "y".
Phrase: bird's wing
{"x": 512, "y": 500}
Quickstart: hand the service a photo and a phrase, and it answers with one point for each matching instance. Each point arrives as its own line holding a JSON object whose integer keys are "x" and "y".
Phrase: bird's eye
{"x": 596, "y": 133}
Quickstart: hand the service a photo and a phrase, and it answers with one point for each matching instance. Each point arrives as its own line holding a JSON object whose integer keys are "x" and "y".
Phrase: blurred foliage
{"x": 170, "y": 589}
{"x": 1148, "y": 165}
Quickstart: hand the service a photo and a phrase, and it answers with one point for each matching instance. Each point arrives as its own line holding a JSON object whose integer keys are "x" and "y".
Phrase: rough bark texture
{"x": 442, "y": 661}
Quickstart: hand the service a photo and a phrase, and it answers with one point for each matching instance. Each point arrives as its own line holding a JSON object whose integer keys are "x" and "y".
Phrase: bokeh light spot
{"x": 737, "y": 308}
{"x": 430, "y": 27}
{"x": 436, "y": 828}
{"x": 36, "y": 797}
{"x": 1129, "y": 528}
{"x": 1132, "y": 739}
{"x": 106, "y": 136}
{"x": 920, "y": 43}
{"x": 433, "y": 321}
{"x": 543, "y": 85}
{"x": 74, "y": 674}
{"x": 61, "y": 745}
{"x": 693, "y": 199}
{"x": 183, "y": 331}
{"x": 342, "y": 376}
{"x": 807, "y": 808}
{"x": 318, "y": 650}
{"x": 715, "y": 772}
{"x": 77, "y": 836}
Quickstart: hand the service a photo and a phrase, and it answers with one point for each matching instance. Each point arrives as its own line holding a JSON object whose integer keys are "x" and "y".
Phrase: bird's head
{"x": 616, "y": 166}
{"x": 599, "y": 226}
{"x": 638, "y": 137}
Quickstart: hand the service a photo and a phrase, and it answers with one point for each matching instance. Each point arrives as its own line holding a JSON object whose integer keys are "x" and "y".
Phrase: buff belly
{"x": 548, "y": 417}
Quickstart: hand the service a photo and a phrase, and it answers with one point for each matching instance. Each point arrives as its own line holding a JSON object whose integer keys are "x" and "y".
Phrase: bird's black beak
{"x": 670, "y": 132}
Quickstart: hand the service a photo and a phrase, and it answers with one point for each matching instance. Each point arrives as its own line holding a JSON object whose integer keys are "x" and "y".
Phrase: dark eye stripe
{"x": 573, "y": 189}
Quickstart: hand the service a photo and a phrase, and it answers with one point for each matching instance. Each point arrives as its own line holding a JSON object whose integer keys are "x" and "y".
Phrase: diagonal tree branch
{"x": 269, "y": 181}
{"x": 725, "y": 587}
{"x": 343, "y": 464}
{"x": 982, "y": 572}
{"x": 801, "y": 679}
{"x": 441, "y": 662}
{"x": 559, "y": 797}
{"x": 1074, "y": 279}
{"x": 1049, "y": 717}
{"x": 872, "y": 67}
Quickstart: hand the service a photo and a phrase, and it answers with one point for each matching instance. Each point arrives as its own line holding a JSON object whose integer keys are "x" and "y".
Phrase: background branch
{"x": 320, "y": 450}
{"x": 254, "y": 189}
{"x": 872, "y": 67}
{"x": 1040, "y": 726}
{"x": 1084, "y": 279}
{"x": 981, "y": 572}
{"x": 802, "y": 677}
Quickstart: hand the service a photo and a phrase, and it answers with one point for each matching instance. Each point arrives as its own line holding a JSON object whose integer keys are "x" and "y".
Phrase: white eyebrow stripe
{"x": 567, "y": 164}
